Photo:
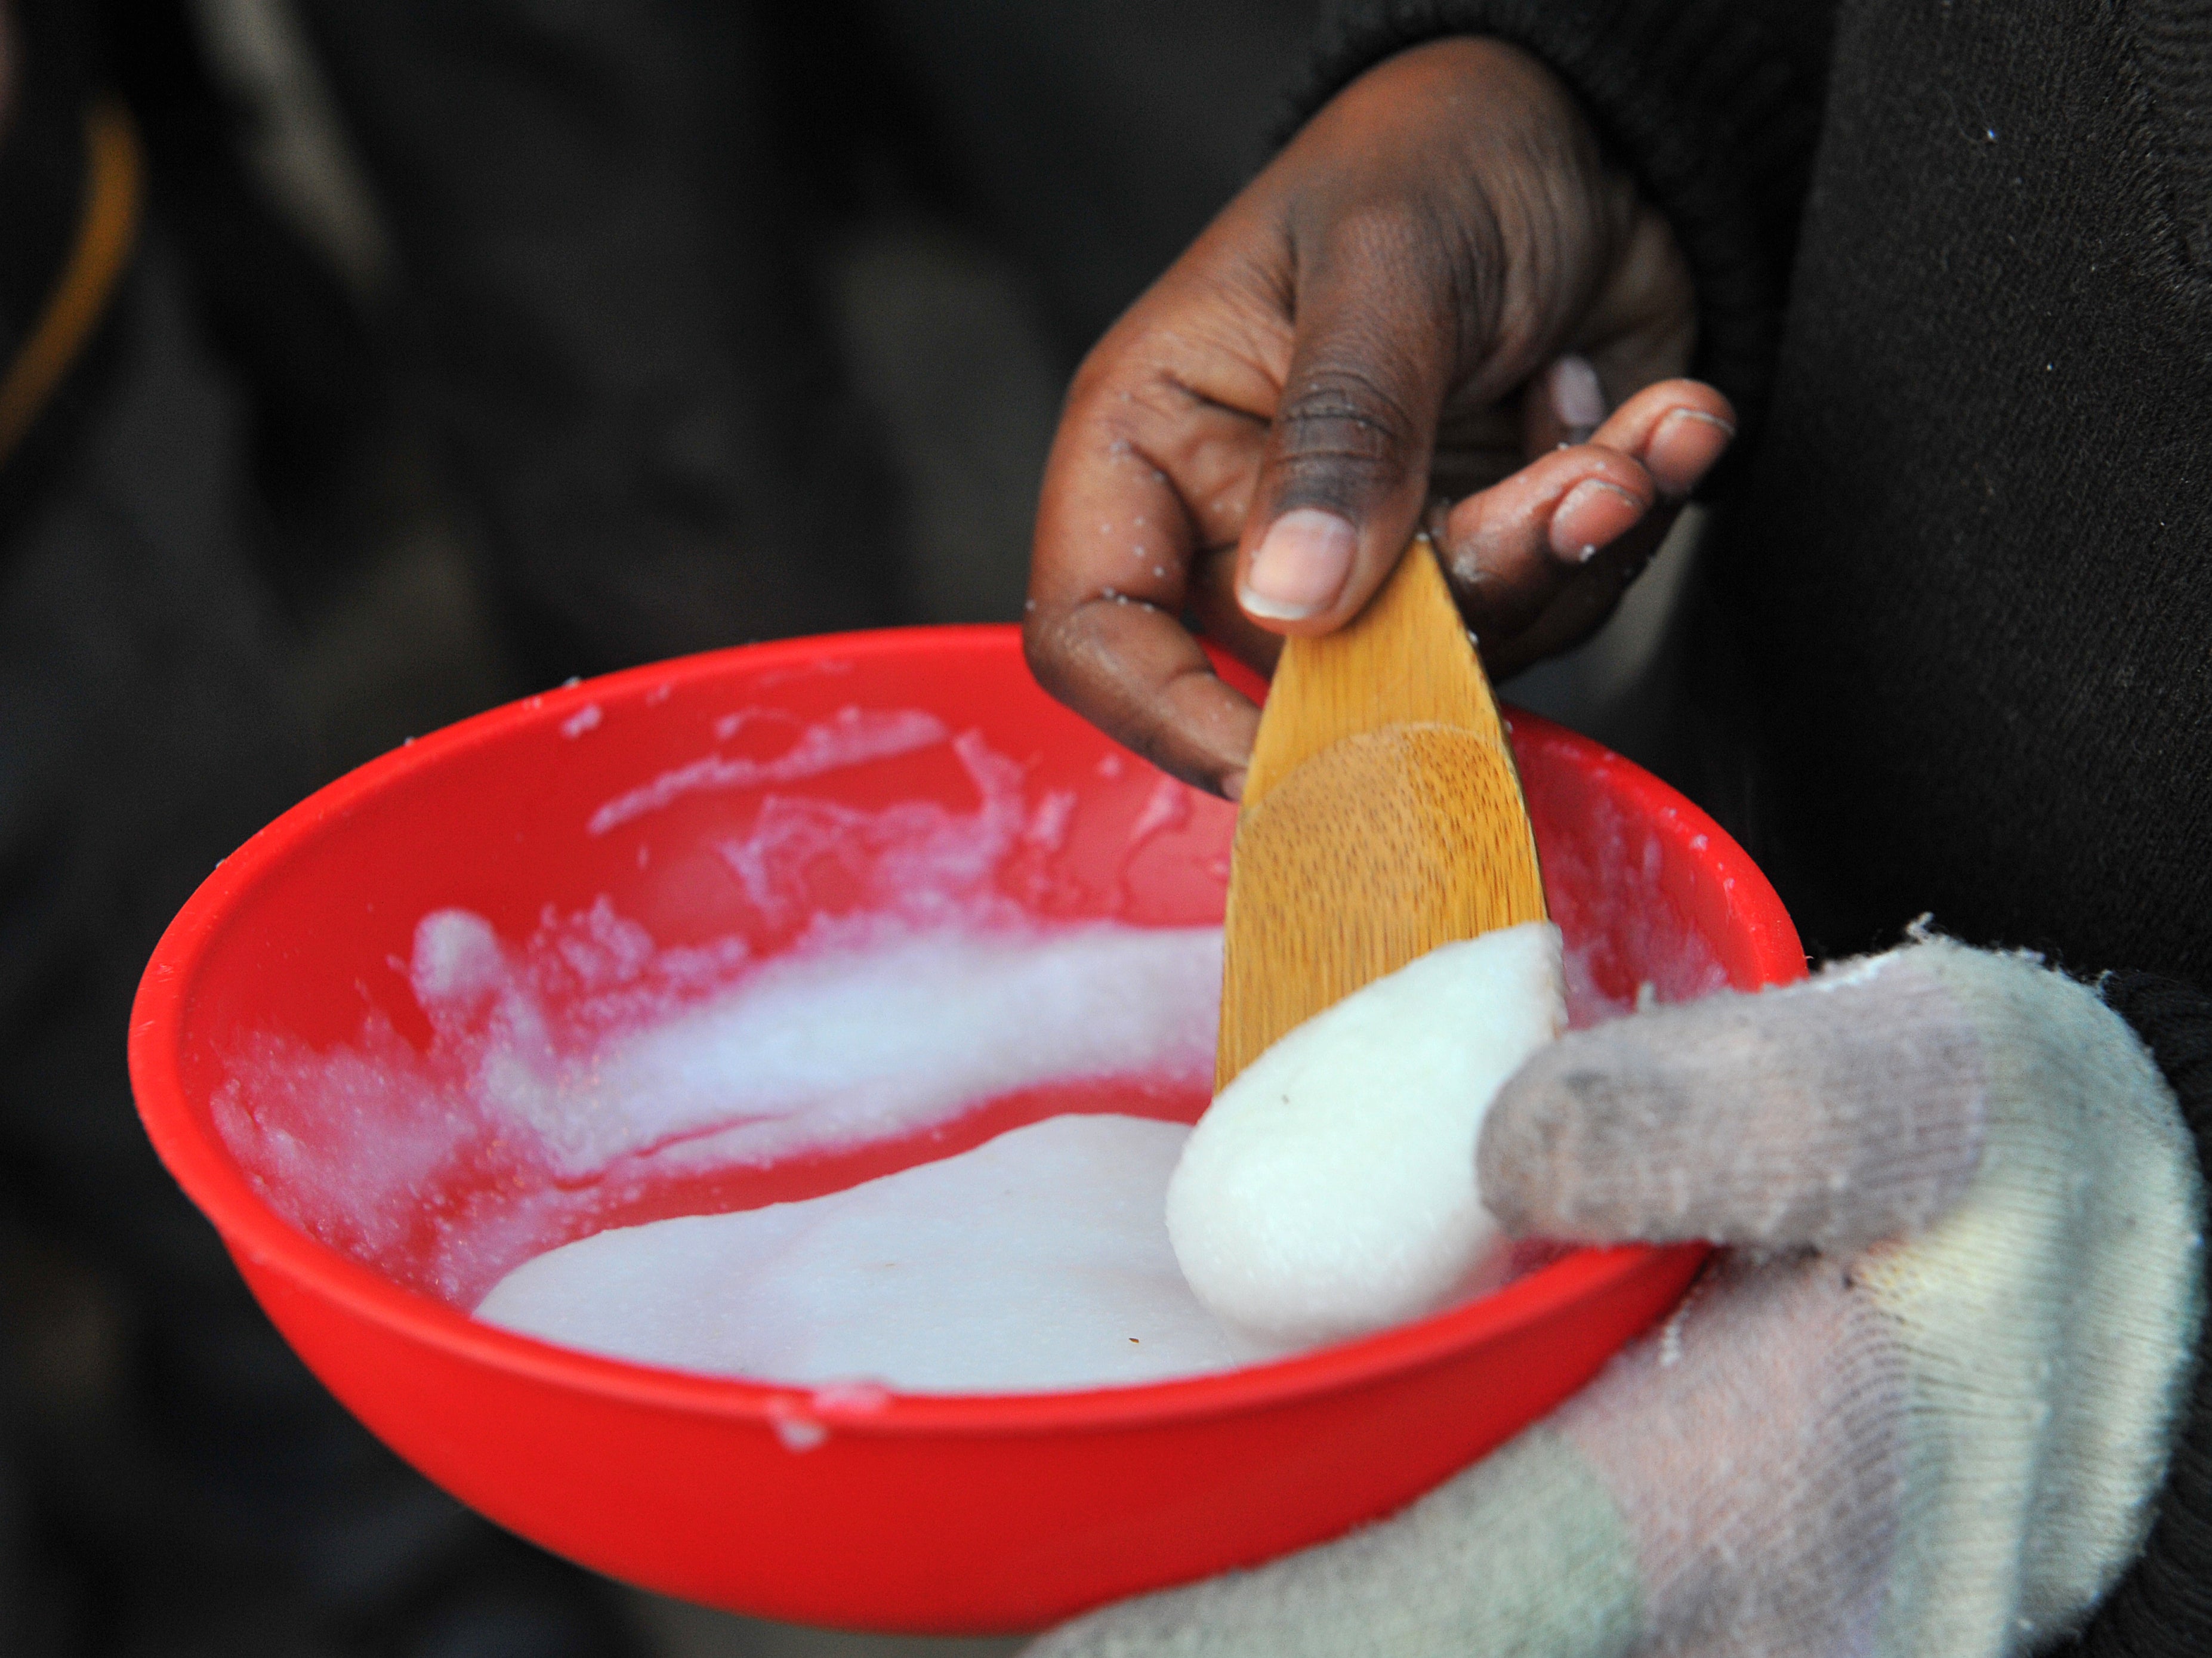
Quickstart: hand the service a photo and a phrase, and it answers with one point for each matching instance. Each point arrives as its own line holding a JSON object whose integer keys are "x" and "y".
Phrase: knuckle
{"x": 1340, "y": 434}
{"x": 1074, "y": 653}
{"x": 1080, "y": 656}
{"x": 1343, "y": 411}
{"x": 1052, "y": 654}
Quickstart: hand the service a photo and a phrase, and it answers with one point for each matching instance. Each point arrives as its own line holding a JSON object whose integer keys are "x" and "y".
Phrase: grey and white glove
{"x": 1923, "y": 1405}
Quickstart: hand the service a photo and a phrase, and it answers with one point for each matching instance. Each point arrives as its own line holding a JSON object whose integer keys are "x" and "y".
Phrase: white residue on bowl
{"x": 852, "y": 736}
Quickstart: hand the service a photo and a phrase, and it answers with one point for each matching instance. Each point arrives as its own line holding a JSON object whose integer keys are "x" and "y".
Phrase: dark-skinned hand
{"x": 1442, "y": 307}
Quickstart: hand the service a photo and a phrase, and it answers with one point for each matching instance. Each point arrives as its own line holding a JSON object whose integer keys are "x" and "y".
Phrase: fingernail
{"x": 1589, "y": 515}
{"x": 1683, "y": 448}
{"x": 1300, "y": 567}
{"x": 1725, "y": 427}
{"x": 1577, "y": 399}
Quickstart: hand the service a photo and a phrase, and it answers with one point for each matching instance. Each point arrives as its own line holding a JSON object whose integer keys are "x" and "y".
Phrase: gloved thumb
{"x": 1837, "y": 1112}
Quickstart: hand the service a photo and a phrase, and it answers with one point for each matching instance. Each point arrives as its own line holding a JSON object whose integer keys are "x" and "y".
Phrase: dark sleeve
{"x": 2163, "y": 1605}
{"x": 1714, "y": 104}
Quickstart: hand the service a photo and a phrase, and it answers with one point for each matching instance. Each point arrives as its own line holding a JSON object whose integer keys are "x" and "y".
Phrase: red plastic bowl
{"x": 948, "y": 1514}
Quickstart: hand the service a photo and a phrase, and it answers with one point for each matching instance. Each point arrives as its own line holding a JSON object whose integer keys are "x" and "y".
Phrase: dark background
{"x": 472, "y": 344}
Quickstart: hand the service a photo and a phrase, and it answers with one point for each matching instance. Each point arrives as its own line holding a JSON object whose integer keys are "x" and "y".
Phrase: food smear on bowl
{"x": 574, "y": 1078}
{"x": 588, "y": 1078}
{"x": 1329, "y": 1192}
{"x": 570, "y": 1080}
{"x": 1035, "y": 1261}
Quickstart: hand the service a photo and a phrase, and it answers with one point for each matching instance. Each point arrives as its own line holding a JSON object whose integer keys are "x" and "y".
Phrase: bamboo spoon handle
{"x": 1381, "y": 816}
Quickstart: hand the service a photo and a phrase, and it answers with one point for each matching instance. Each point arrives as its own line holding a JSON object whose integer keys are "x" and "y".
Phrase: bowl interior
{"x": 632, "y": 840}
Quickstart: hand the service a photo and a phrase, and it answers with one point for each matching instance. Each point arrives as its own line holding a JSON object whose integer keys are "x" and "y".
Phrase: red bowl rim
{"x": 257, "y": 1234}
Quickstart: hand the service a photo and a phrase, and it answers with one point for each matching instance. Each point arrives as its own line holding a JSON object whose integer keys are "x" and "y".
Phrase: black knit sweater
{"x": 1953, "y": 640}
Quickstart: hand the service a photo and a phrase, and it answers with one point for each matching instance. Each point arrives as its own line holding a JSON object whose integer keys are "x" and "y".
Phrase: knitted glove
{"x": 1923, "y": 1407}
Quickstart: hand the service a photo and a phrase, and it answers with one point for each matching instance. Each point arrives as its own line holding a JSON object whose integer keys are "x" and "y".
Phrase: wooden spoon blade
{"x": 1406, "y": 659}
{"x": 1383, "y": 816}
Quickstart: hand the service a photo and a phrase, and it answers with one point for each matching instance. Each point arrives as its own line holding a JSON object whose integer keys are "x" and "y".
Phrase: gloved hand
{"x": 1441, "y": 278}
{"x": 1921, "y": 1406}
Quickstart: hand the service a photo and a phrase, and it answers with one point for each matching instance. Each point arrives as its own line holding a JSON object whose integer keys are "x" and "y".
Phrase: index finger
{"x": 1147, "y": 486}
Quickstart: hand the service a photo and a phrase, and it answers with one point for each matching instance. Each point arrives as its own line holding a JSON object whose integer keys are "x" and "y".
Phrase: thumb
{"x": 1344, "y": 473}
{"x": 1834, "y": 1113}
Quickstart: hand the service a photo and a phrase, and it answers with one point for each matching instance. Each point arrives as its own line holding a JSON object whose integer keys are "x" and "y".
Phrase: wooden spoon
{"x": 1381, "y": 815}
